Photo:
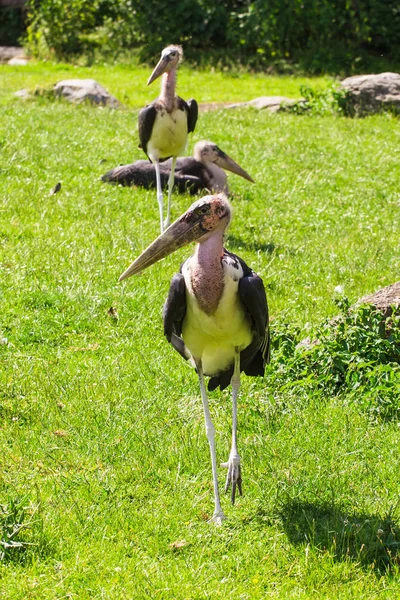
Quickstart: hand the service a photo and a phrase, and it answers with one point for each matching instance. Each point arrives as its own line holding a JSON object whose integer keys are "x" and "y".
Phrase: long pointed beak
{"x": 184, "y": 230}
{"x": 226, "y": 162}
{"x": 159, "y": 69}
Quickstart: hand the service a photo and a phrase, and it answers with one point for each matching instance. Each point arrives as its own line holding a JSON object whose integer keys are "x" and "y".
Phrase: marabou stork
{"x": 216, "y": 315}
{"x": 202, "y": 171}
{"x": 164, "y": 124}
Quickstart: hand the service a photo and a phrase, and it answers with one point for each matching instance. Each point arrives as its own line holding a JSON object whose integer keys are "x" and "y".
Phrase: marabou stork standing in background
{"x": 164, "y": 124}
{"x": 202, "y": 171}
{"x": 216, "y": 314}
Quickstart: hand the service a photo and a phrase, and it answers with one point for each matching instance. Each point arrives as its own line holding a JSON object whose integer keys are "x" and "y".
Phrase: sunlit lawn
{"x": 104, "y": 459}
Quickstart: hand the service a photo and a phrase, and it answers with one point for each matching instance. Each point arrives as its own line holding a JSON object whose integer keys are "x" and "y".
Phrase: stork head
{"x": 208, "y": 152}
{"x": 205, "y": 217}
{"x": 170, "y": 57}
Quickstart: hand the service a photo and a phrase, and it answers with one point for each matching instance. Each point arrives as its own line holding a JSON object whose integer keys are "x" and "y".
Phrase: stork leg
{"x": 234, "y": 476}
{"x": 171, "y": 179}
{"x": 159, "y": 193}
{"x": 218, "y": 515}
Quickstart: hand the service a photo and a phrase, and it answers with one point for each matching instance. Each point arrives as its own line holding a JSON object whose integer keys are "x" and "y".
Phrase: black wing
{"x": 140, "y": 173}
{"x": 190, "y": 170}
{"x": 193, "y": 113}
{"x": 143, "y": 174}
{"x": 188, "y": 183}
{"x": 253, "y": 358}
{"x": 252, "y": 295}
{"x": 189, "y": 166}
{"x": 146, "y": 119}
{"x": 174, "y": 313}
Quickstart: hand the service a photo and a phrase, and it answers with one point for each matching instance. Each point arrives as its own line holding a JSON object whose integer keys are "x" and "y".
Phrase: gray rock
{"x": 272, "y": 103}
{"x": 18, "y": 61}
{"x": 24, "y": 94}
{"x": 8, "y": 53}
{"x": 81, "y": 90}
{"x": 384, "y": 299}
{"x": 373, "y": 93}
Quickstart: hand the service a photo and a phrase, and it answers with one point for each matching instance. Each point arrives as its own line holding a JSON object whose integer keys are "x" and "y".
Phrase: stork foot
{"x": 234, "y": 476}
{"x": 166, "y": 223}
{"x": 218, "y": 517}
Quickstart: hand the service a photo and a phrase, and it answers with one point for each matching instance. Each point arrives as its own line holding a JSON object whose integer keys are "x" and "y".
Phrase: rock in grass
{"x": 9, "y": 53}
{"x": 272, "y": 103}
{"x": 373, "y": 93}
{"x": 81, "y": 90}
{"x": 23, "y": 94}
{"x": 384, "y": 299}
{"x": 18, "y": 61}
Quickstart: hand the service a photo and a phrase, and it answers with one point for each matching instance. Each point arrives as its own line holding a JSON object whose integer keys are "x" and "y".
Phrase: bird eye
{"x": 204, "y": 209}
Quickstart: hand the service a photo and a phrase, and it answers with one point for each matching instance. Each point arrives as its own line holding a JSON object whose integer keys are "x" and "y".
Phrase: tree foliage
{"x": 315, "y": 34}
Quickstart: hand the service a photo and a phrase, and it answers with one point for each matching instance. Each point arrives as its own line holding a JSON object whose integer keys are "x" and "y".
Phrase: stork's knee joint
{"x": 210, "y": 431}
{"x": 235, "y": 381}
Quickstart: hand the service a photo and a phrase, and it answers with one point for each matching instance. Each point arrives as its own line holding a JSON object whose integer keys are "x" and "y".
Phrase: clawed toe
{"x": 234, "y": 477}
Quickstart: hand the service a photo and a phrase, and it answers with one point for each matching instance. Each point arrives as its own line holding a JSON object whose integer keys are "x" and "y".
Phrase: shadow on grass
{"x": 22, "y": 535}
{"x": 235, "y": 243}
{"x": 370, "y": 540}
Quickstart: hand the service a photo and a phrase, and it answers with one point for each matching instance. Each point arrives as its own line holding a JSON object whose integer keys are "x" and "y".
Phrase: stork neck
{"x": 207, "y": 273}
{"x": 217, "y": 178}
{"x": 210, "y": 251}
{"x": 168, "y": 86}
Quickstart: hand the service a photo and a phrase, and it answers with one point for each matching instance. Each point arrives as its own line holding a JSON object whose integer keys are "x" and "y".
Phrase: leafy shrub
{"x": 357, "y": 354}
{"x": 333, "y": 100}
{"x": 57, "y": 27}
{"x": 315, "y": 34}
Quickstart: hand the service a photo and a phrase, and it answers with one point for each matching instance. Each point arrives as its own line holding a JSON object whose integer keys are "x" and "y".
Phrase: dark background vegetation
{"x": 333, "y": 36}
{"x": 12, "y": 21}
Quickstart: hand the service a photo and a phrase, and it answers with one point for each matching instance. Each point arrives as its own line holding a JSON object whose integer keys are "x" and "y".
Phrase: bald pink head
{"x": 201, "y": 220}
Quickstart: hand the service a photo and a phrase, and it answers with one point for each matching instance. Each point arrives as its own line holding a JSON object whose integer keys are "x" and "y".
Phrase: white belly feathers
{"x": 169, "y": 134}
{"x": 213, "y": 338}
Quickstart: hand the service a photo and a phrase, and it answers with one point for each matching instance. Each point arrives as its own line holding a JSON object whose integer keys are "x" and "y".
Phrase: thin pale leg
{"x": 171, "y": 179}
{"x": 234, "y": 476}
{"x": 159, "y": 193}
{"x": 218, "y": 515}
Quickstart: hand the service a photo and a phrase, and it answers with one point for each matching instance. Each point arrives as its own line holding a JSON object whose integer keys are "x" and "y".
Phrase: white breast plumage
{"x": 213, "y": 338}
{"x": 169, "y": 134}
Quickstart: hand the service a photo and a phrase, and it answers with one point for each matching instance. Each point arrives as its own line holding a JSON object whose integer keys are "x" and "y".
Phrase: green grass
{"x": 104, "y": 460}
{"x": 128, "y": 83}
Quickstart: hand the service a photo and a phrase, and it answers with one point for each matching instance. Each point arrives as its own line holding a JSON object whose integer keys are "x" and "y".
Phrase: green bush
{"x": 314, "y": 34}
{"x": 356, "y": 354}
{"x": 332, "y": 100}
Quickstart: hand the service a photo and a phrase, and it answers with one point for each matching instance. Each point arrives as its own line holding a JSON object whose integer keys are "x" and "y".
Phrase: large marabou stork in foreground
{"x": 201, "y": 172}
{"x": 164, "y": 124}
{"x": 216, "y": 314}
